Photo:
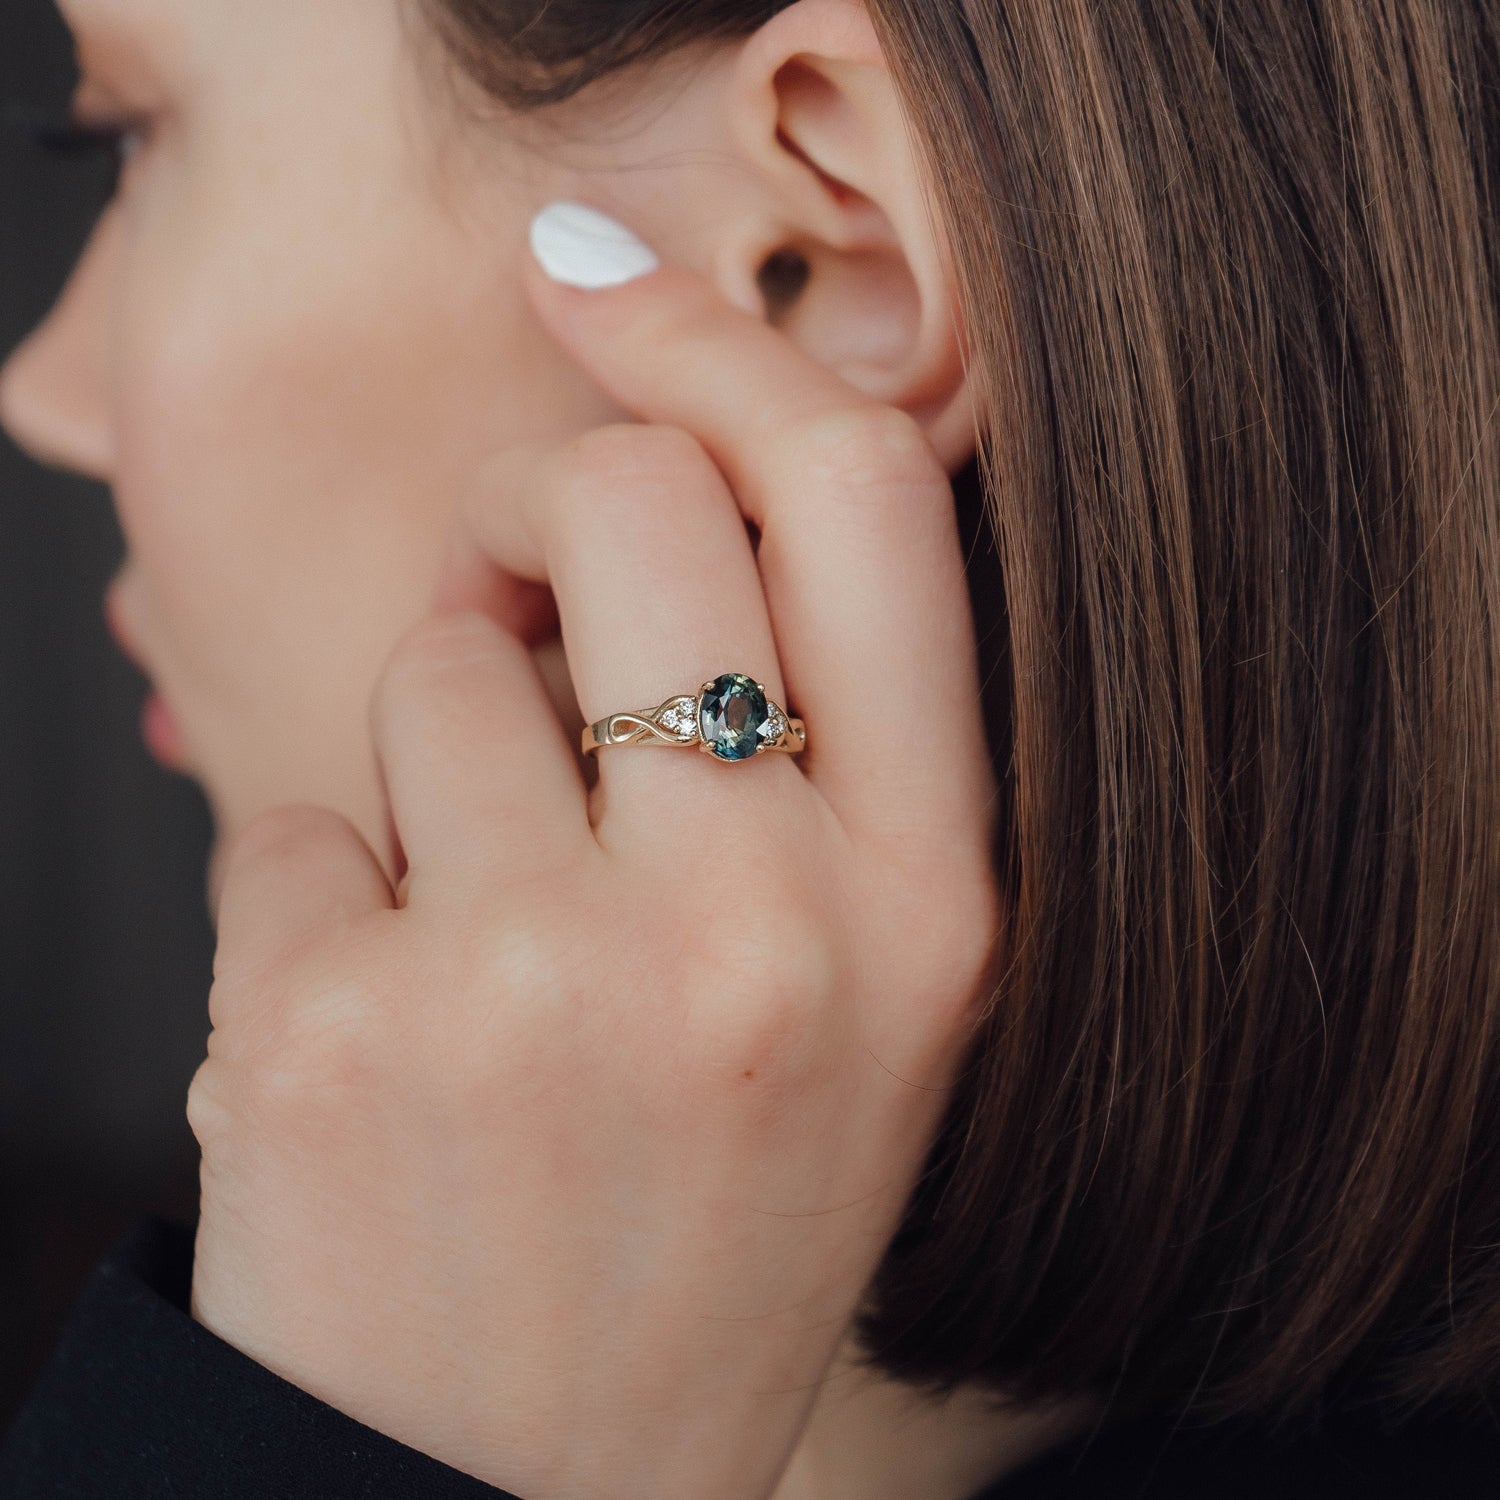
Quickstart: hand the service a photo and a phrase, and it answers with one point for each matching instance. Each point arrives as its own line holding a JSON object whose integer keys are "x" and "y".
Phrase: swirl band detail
{"x": 730, "y": 718}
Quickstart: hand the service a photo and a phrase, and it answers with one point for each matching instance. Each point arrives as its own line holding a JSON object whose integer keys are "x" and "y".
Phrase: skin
{"x": 401, "y": 516}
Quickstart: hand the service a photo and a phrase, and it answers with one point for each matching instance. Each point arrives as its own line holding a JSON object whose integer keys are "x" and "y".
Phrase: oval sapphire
{"x": 730, "y": 714}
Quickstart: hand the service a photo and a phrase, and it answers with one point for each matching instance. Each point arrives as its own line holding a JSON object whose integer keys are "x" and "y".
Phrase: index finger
{"x": 859, "y": 553}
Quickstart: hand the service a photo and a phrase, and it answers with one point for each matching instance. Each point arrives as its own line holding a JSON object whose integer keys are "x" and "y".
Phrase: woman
{"x": 1065, "y": 430}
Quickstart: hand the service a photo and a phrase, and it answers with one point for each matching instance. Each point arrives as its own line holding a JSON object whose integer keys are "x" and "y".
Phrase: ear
{"x": 848, "y": 258}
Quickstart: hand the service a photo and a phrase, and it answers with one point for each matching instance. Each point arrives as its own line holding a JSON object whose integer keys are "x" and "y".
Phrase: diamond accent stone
{"x": 678, "y": 719}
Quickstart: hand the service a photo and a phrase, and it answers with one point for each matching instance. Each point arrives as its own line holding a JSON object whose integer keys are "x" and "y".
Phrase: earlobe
{"x": 854, "y": 270}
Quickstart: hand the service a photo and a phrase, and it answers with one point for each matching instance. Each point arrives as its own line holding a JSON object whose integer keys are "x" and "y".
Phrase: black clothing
{"x": 139, "y": 1400}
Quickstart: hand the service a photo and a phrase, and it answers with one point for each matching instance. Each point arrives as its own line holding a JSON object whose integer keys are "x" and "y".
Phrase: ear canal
{"x": 782, "y": 280}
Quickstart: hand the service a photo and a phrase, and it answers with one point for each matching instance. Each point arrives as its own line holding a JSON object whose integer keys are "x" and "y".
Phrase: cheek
{"x": 296, "y": 418}
{"x": 264, "y": 483}
{"x": 288, "y": 456}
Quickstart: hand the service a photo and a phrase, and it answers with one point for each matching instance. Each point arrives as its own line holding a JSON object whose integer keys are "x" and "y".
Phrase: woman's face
{"x": 295, "y": 336}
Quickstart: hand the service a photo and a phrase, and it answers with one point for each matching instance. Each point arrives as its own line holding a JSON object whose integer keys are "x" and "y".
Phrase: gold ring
{"x": 730, "y": 717}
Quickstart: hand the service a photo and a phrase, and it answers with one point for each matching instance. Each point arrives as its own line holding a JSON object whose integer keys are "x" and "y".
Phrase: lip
{"x": 159, "y": 727}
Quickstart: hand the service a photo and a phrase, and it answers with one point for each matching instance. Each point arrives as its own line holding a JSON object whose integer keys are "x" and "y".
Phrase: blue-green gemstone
{"x": 730, "y": 715}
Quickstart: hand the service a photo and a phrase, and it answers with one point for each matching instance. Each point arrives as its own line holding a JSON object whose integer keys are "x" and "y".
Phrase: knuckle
{"x": 769, "y": 1013}
{"x": 529, "y": 958}
{"x": 331, "y": 1045}
{"x": 440, "y": 644}
{"x": 521, "y": 982}
{"x": 315, "y": 1020}
{"x": 322, "y": 1053}
{"x": 622, "y": 459}
{"x": 428, "y": 655}
{"x": 269, "y": 849}
{"x": 879, "y": 444}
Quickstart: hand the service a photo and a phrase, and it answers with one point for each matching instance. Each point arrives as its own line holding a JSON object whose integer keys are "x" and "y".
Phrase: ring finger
{"x": 657, "y": 589}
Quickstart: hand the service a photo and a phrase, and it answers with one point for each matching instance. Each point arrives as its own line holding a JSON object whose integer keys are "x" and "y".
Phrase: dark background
{"x": 105, "y": 948}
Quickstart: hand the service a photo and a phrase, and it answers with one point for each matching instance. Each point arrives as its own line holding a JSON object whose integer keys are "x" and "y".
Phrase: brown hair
{"x": 1227, "y": 1139}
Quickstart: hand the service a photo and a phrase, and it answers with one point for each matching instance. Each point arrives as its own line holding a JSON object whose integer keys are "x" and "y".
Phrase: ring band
{"x": 730, "y": 718}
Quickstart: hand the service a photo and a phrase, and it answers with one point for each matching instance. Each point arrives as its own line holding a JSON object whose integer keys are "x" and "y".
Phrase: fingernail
{"x": 582, "y": 247}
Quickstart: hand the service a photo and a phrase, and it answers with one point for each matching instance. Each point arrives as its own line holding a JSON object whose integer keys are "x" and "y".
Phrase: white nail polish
{"x": 582, "y": 247}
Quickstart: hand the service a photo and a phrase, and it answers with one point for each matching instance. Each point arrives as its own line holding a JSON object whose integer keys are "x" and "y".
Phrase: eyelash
{"x": 61, "y": 135}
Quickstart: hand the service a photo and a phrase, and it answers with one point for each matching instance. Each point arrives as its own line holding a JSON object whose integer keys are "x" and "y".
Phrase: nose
{"x": 54, "y": 387}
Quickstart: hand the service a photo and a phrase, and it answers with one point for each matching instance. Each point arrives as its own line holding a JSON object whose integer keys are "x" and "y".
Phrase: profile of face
{"x": 298, "y": 333}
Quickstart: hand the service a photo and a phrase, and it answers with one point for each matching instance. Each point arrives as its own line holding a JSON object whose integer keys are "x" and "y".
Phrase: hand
{"x": 569, "y": 1165}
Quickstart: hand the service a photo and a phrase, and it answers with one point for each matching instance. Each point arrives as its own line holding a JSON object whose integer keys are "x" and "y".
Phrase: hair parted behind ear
{"x": 529, "y": 53}
{"x": 1228, "y": 278}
